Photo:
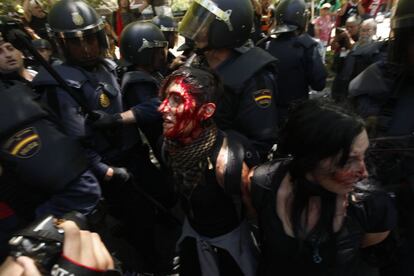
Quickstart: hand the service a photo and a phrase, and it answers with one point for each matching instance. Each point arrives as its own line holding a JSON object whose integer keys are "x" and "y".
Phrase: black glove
{"x": 120, "y": 175}
{"x": 101, "y": 119}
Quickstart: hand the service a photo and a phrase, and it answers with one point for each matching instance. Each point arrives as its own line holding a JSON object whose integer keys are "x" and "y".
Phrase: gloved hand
{"x": 101, "y": 119}
{"x": 120, "y": 175}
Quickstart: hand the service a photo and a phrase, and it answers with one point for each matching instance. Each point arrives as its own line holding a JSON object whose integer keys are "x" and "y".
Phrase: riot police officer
{"x": 43, "y": 171}
{"x": 219, "y": 28}
{"x": 81, "y": 37}
{"x": 144, "y": 47}
{"x": 383, "y": 95}
{"x": 78, "y": 31}
{"x": 168, "y": 26}
{"x": 300, "y": 65}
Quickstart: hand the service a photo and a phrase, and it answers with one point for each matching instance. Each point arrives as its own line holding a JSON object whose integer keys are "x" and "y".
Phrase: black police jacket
{"x": 99, "y": 90}
{"x": 300, "y": 67}
{"x": 248, "y": 106}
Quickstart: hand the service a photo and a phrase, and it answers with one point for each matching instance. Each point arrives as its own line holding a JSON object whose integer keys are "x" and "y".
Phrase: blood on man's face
{"x": 179, "y": 110}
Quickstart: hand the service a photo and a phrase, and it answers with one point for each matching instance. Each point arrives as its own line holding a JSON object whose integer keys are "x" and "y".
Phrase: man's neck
{"x": 189, "y": 139}
{"x": 216, "y": 57}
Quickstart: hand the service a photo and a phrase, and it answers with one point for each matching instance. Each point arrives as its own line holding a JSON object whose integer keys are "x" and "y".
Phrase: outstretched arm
{"x": 27, "y": 13}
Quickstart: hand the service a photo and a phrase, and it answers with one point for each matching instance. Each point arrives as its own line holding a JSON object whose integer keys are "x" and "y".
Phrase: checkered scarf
{"x": 189, "y": 162}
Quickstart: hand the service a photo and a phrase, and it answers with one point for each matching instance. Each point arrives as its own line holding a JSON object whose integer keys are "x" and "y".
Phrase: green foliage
{"x": 180, "y": 5}
{"x": 12, "y": 6}
{"x": 7, "y": 6}
{"x": 95, "y": 3}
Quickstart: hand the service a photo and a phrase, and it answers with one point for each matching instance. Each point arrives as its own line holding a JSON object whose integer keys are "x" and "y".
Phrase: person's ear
{"x": 207, "y": 110}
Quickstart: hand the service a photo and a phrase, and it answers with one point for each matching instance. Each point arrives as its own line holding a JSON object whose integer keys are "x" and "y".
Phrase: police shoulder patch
{"x": 104, "y": 100}
{"x": 263, "y": 98}
{"x": 23, "y": 144}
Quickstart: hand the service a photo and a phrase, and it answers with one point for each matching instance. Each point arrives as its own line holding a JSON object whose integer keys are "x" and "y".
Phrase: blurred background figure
{"x": 36, "y": 17}
{"x": 161, "y": 7}
{"x": 348, "y": 9}
{"x": 323, "y": 27}
{"x": 168, "y": 26}
{"x": 367, "y": 32}
{"x": 44, "y": 48}
{"x": 125, "y": 15}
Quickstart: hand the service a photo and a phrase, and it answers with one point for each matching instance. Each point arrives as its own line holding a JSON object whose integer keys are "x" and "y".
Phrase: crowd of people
{"x": 212, "y": 162}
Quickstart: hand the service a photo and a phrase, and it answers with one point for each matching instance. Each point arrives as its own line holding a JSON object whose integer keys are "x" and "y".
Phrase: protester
{"x": 367, "y": 32}
{"x": 363, "y": 53}
{"x": 352, "y": 26}
{"x": 36, "y": 17}
{"x": 323, "y": 25}
{"x": 206, "y": 165}
{"x": 12, "y": 64}
{"x": 316, "y": 213}
{"x": 349, "y": 8}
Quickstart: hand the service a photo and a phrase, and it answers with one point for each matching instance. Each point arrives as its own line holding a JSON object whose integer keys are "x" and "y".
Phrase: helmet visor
{"x": 199, "y": 16}
{"x": 152, "y": 44}
{"x": 285, "y": 28}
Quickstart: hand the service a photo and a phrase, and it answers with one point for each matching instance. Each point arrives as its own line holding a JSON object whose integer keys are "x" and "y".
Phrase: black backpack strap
{"x": 267, "y": 178}
{"x": 232, "y": 174}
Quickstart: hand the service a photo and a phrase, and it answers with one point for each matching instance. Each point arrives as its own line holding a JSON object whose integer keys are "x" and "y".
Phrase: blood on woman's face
{"x": 341, "y": 180}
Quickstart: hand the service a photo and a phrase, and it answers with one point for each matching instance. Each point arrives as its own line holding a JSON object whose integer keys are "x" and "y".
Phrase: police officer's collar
{"x": 229, "y": 60}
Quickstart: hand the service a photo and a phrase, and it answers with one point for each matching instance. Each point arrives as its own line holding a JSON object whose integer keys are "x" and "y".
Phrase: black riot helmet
{"x": 143, "y": 43}
{"x": 10, "y": 29}
{"x": 165, "y": 23}
{"x": 215, "y": 24}
{"x": 75, "y": 20}
{"x": 41, "y": 44}
{"x": 168, "y": 26}
{"x": 290, "y": 15}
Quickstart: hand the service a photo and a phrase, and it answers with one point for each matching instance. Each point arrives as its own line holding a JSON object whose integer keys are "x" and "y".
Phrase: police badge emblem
{"x": 104, "y": 100}
{"x": 77, "y": 19}
{"x": 263, "y": 98}
{"x": 23, "y": 144}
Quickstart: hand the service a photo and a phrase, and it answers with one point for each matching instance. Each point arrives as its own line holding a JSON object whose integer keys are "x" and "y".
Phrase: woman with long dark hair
{"x": 316, "y": 214}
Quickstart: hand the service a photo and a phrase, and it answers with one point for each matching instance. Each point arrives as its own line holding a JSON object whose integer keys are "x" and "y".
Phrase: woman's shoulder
{"x": 375, "y": 211}
{"x": 264, "y": 174}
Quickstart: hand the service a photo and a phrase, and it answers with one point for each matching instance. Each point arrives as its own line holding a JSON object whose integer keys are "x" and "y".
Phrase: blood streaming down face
{"x": 180, "y": 111}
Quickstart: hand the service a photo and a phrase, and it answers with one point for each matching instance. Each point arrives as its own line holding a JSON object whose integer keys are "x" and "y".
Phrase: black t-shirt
{"x": 339, "y": 253}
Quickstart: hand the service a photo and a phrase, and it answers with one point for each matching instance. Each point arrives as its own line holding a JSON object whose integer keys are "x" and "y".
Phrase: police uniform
{"x": 248, "y": 106}
{"x": 300, "y": 68}
{"x": 100, "y": 91}
{"x": 43, "y": 170}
